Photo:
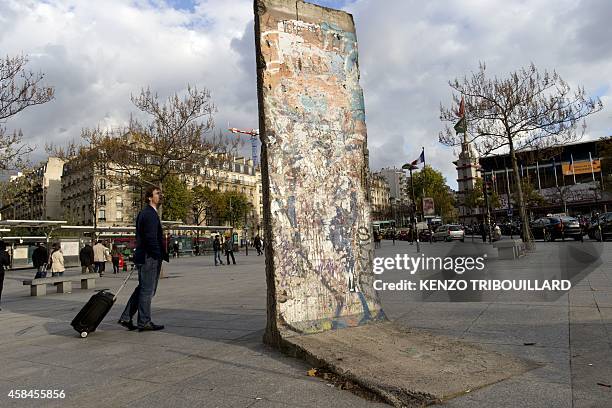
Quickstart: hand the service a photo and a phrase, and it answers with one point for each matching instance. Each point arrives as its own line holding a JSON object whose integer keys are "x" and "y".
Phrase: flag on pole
{"x": 461, "y": 112}
{"x": 421, "y": 158}
{"x": 538, "y": 171}
{"x": 461, "y": 126}
{"x": 555, "y": 170}
{"x": 592, "y": 170}
{"x": 508, "y": 185}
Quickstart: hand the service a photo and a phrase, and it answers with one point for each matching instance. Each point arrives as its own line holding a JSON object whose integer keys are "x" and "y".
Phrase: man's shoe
{"x": 127, "y": 324}
{"x": 151, "y": 327}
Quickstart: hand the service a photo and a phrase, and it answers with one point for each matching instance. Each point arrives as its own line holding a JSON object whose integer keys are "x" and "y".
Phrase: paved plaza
{"x": 211, "y": 353}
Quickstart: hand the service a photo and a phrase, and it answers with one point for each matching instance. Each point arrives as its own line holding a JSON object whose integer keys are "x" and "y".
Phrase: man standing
{"x": 40, "y": 256}
{"x": 99, "y": 251}
{"x": 148, "y": 257}
{"x": 217, "y": 250}
{"x": 229, "y": 250}
{"x": 86, "y": 256}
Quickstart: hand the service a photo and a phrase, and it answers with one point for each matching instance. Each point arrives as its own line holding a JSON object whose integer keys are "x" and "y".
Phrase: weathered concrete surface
{"x": 406, "y": 367}
{"x": 314, "y": 170}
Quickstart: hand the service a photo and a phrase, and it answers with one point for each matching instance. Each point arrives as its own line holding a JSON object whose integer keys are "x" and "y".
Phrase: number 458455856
{"x": 37, "y": 394}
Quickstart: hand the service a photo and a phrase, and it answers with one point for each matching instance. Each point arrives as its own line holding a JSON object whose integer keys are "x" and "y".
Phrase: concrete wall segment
{"x": 314, "y": 169}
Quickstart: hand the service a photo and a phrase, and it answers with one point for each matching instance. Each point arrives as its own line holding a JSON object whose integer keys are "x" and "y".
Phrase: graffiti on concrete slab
{"x": 315, "y": 149}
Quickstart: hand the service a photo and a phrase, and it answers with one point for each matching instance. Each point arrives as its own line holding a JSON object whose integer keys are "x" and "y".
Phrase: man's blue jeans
{"x": 218, "y": 257}
{"x": 140, "y": 301}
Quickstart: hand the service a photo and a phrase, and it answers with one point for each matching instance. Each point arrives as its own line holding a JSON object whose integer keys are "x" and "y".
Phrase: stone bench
{"x": 509, "y": 248}
{"x": 38, "y": 287}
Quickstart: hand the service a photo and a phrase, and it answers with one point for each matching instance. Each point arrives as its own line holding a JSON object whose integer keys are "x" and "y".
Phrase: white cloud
{"x": 97, "y": 53}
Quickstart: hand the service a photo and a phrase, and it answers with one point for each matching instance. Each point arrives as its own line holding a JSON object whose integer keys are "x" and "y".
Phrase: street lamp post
{"x": 410, "y": 167}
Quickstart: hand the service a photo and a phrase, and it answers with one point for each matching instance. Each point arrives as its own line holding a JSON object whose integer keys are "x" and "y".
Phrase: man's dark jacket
{"x": 149, "y": 236}
{"x": 40, "y": 256}
{"x": 86, "y": 256}
{"x": 5, "y": 260}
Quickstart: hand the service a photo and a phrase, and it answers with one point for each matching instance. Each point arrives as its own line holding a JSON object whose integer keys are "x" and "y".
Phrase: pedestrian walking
{"x": 115, "y": 260}
{"x": 229, "y": 250}
{"x": 40, "y": 256}
{"x": 148, "y": 257}
{"x": 5, "y": 261}
{"x": 483, "y": 231}
{"x": 86, "y": 256}
{"x": 217, "y": 250}
{"x": 257, "y": 242}
{"x": 100, "y": 257}
{"x": 57, "y": 260}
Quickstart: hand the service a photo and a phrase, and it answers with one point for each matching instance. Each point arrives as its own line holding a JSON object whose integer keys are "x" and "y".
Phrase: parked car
{"x": 449, "y": 232}
{"x": 601, "y": 228}
{"x": 425, "y": 235}
{"x": 553, "y": 227}
{"x": 510, "y": 228}
{"x": 403, "y": 234}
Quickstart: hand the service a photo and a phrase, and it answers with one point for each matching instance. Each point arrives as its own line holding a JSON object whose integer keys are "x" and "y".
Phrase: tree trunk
{"x": 526, "y": 232}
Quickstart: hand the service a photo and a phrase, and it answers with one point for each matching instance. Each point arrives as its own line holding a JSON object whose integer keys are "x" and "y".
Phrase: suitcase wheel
{"x": 83, "y": 334}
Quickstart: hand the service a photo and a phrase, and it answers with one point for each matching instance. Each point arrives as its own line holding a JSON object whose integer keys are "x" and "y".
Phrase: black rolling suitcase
{"x": 95, "y": 310}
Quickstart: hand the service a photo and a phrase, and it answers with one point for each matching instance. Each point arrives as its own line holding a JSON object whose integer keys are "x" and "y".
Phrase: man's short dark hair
{"x": 149, "y": 192}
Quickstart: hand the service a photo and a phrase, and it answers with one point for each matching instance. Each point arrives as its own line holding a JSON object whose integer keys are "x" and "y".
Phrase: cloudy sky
{"x": 96, "y": 54}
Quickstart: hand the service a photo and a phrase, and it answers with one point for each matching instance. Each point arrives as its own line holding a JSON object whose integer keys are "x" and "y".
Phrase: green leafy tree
{"x": 236, "y": 207}
{"x": 207, "y": 205}
{"x": 432, "y": 183}
{"x": 475, "y": 197}
{"x": 177, "y": 199}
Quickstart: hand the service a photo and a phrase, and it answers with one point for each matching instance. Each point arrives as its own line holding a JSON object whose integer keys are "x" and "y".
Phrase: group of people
{"x": 227, "y": 246}
{"x": 43, "y": 261}
{"x": 93, "y": 259}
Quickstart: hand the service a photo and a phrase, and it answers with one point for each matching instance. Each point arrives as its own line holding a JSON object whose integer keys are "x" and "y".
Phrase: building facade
{"x": 398, "y": 187}
{"x": 93, "y": 195}
{"x": 468, "y": 172}
{"x": 572, "y": 179}
{"x": 99, "y": 195}
{"x": 380, "y": 197}
{"x": 236, "y": 174}
{"x": 35, "y": 195}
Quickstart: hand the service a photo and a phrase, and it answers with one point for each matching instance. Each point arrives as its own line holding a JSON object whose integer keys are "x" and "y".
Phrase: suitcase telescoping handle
{"x": 123, "y": 284}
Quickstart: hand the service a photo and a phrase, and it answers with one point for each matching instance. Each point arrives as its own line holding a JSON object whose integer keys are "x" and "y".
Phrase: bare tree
{"x": 174, "y": 141}
{"x": 528, "y": 109}
{"x": 19, "y": 89}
